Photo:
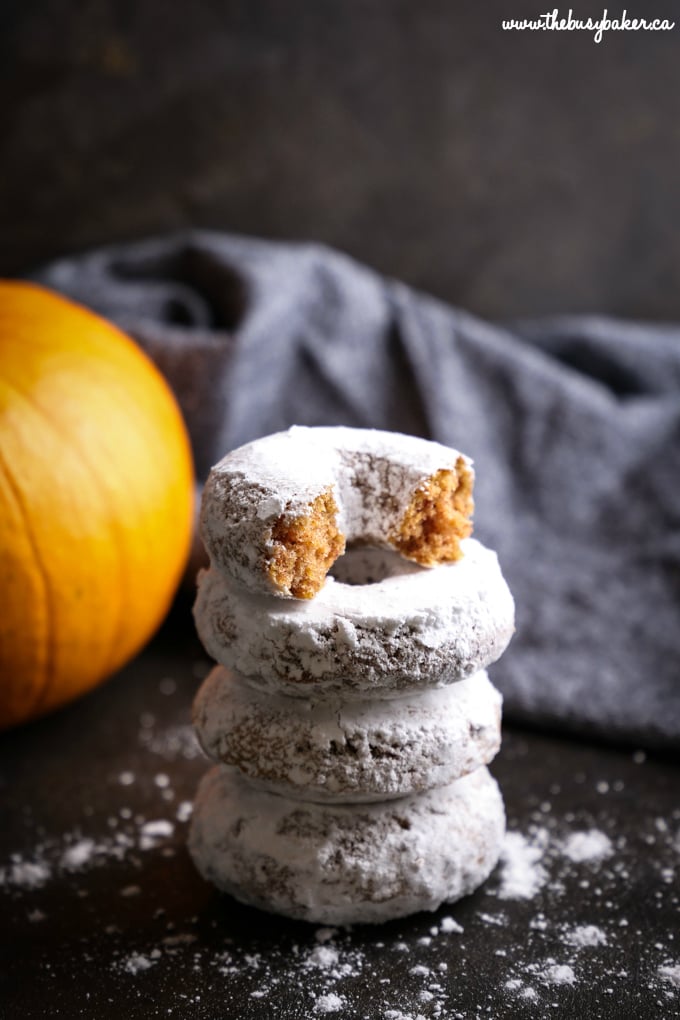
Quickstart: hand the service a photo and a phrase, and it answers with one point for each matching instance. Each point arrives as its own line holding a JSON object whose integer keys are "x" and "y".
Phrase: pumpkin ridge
{"x": 114, "y": 532}
{"x": 48, "y": 667}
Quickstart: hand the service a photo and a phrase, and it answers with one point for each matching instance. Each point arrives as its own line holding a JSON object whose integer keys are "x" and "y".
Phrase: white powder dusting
{"x": 332, "y": 956}
{"x": 323, "y": 957}
{"x": 328, "y": 1003}
{"x": 174, "y": 743}
{"x": 585, "y": 935}
{"x": 135, "y": 963}
{"x": 330, "y": 964}
{"x": 542, "y": 861}
{"x": 449, "y": 926}
{"x": 592, "y": 845}
{"x": 74, "y": 853}
{"x": 397, "y": 1014}
{"x": 522, "y": 874}
{"x": 670, "y": 972}
{"x": 559, "y": 974}
{"x": 25, "y": 874}
{"x": 184, "y": 811}
{"x": 78, "y": 855}
{"x": 498, "y": 919}
{"x": 154, "y": 832}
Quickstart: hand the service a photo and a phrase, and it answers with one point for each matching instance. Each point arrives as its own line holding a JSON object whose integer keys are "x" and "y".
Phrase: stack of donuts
{"x": 350, "y": 715}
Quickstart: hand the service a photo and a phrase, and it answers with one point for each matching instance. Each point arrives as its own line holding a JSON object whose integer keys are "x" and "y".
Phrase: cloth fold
{"x": 573, "y": 423}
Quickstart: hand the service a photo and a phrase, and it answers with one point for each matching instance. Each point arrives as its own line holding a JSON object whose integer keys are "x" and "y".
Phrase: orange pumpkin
{"x": 96, "y": 494}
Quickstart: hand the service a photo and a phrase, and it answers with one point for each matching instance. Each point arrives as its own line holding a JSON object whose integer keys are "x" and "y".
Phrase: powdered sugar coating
{"x": 351, "y": 752}
{"x": 417, "y": 627}
{"x": 372, "y": 475}
{"x": 346, "y": 864}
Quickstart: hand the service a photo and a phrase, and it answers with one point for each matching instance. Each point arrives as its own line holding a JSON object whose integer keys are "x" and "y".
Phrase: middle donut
{"x": 381, "y": 626}
{"x": 355, "y": 752}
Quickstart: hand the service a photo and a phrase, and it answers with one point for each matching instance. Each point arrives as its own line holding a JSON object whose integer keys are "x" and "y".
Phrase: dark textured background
{"x": 510, "y": 174}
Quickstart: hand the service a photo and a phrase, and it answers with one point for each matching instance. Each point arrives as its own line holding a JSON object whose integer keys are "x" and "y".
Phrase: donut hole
{"x": 367, "y": 564}
{"x": 437, "y": 517}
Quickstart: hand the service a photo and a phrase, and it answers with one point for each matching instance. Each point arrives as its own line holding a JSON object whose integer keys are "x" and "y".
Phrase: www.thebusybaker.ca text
{"x": 552, "y": 22}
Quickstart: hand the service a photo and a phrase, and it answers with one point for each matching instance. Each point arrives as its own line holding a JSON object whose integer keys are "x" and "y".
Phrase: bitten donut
{"x": 277, "y": 512}
{"x": 346, "y": 864}
{"x": 356, "y": 752}
{"x": 410, "y": 628}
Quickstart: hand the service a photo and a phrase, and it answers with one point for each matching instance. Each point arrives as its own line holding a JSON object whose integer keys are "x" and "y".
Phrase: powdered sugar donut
{"x": 412, "y": 628}
{"x": 345, "y": 864}
{"x": 349, "y": 752}
{"x": 277, "y": 512}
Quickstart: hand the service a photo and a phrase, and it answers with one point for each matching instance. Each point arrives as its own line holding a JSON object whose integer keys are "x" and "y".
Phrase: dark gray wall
{"x": 510, "y": 173}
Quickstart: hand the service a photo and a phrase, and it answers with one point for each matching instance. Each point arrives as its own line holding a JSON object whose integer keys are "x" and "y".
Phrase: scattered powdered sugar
{"x": 328, "y": 1003}
{"x": 323, "y": 956}
{"x": 172, "y": 743}
{"x": 54, "y": 857}
{"x": 448, "y": 925}
{"x": 522, "y": 874}
{"x": 558, "y": 974}
{"x": 498, "y": 919}
{"x": 550, "y": 923}
{"x": 153, "y": 833}
{"x": 584, "y": 935}
{"x": 74, "y": 853}
{"x": 397, "y": 1014}
{"x": 78, "y": 855}
{"x": 592, "y": 845}
{"x": 184, "y": 811}
{"x": 25, "y": 874}
{"x": 135, "y": 963}
{"x": 670, "y": 972}
{"x": 524, "y": 860}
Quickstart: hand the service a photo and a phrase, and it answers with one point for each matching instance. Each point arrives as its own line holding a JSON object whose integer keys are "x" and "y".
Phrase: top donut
{"x": 277, "y": 512}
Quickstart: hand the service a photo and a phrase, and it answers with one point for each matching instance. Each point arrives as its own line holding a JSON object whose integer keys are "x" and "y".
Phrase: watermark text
{"x": 553, "y": 21}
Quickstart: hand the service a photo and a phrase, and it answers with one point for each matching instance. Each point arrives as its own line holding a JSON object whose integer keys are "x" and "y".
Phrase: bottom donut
{"x": 346, "y": 864}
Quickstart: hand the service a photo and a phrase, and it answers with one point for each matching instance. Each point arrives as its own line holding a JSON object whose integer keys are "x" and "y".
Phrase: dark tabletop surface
{"x": 103, "y": 915}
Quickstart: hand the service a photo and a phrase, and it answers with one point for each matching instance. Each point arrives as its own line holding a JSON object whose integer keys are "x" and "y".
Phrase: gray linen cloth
{"x": 573, "y": 424}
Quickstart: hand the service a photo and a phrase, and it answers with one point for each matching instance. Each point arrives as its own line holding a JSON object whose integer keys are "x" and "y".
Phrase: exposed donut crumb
{"x": 305, "y": 548}
{"x": 437, "y": 518}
